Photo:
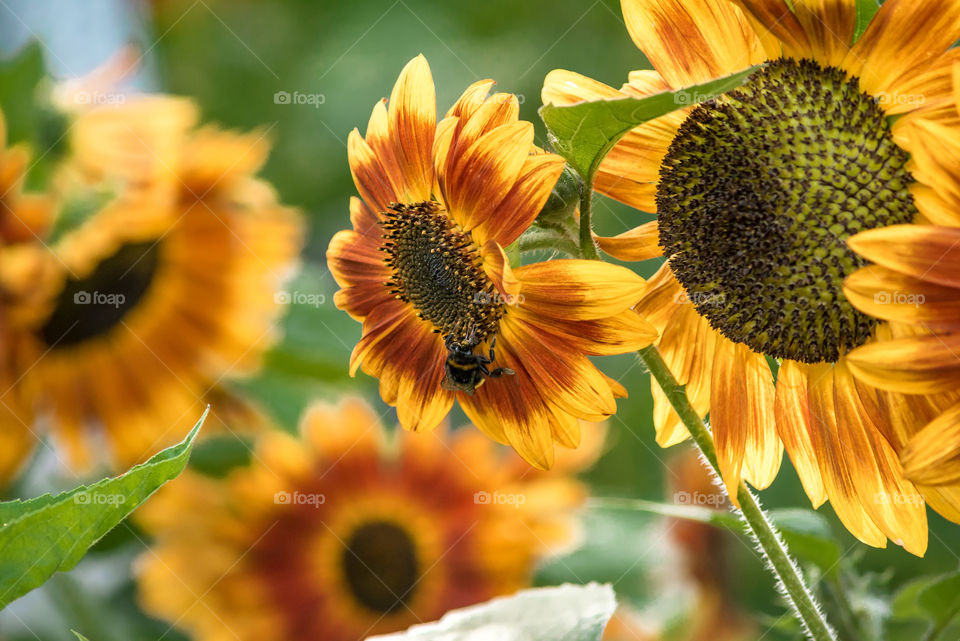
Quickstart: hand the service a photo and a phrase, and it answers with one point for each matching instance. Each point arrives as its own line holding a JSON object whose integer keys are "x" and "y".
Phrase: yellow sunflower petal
{"x": 688, "y": 345}
{"x": 370, "y": 178}
{"x": 916, "y": 365}
{"x": 380, "y": 142}
{"x": 379, "y": 325}
{"x": 944, "y": 500}
{"x": 565, "y": 379}
{"x": 510, "y": 409}
{"x": 903, "y": 34}
{"x": 692, "y": 41}
{"x": 617, "y": 334}
{"x": 832, "y": 456}
{"x": 932, "y": 457}
{"x": 640, "y": 243}
{"x": 497, "y": 267}
{"x": 730, "y": 407}
{"x": 579, "y": 289}
{"x": 923, "y": 87}
{"x": 935, "y": 148}
{"x": 874, "y": 469}
{"x": 412, "y": 113}
{"x": 662, "y": 299}
{"x": 829, "y": 26}
{"x": 523, "y": 202}
{"x": 498, "y": 110}
{"x": 884, "y": 293}
{"x": 644, "y": 82}
{"x": 480, "y": 178}
{"x": 775, "y": 17}
{"x": 923, "y": 251}
{"x": 793, "y": 427}
{"x": 471, "y": 99}
{"x": 421, "y": 400}
{"x": 934, "y": 208}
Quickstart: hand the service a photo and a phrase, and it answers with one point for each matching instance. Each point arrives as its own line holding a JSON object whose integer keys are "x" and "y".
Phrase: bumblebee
{"x": 466, "y": 371}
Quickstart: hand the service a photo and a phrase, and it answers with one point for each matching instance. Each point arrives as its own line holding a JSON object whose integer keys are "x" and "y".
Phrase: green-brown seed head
{"x": 758, "y": 193}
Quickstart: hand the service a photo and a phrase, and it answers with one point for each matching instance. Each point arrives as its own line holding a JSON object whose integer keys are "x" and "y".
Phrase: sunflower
{"x": 24, "y": 272}
{"x": 343, "y": 533}
{"x": 424, "y": 270}
{"x": 755, "y": 194}
{"x": 915, "y": 285}
{"x": 163, "y": 292}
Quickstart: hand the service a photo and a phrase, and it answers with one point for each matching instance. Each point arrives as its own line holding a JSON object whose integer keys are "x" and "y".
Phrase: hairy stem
{"x": 587, "y": 247}
{"x": 767, "y": 537}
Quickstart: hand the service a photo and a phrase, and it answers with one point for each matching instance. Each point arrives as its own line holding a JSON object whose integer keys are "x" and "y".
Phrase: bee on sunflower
{"x": 914, "y": 285}
{"x": 756, "y": 193}
{"x": 163, "y": 289}
{"x": 341, "y": 533}
{"x": 444, "y": 314}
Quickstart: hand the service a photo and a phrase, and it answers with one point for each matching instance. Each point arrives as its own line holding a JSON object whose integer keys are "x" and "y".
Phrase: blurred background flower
{"x": 296, "y": 76}
{"x": 344, "y": 533}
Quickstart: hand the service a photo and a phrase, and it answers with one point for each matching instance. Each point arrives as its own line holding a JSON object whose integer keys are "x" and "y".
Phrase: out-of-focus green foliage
{"x": 51, "y": 534}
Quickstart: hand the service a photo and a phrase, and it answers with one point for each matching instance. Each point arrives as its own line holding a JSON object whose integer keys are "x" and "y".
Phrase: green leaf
{"x": 718, "y": 518}
{"x": 30, "y": 116}
{"x": 563, "y": 613}
{"x": 583, "y": 133}
{"x": 806, "y": 533}
{"x": 905, "y": 604}
{"x": 866, "y": 10}
{"x": 79, "y": 636}
{"x": 808, "y": 536}
{"x": 50, "y": 534}
{"x": 941, "y": 599}
{"x": 19, "y": 78}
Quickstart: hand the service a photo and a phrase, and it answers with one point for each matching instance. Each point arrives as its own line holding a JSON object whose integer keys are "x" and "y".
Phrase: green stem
{"x": 767, "y": 537}
{"x": 588, "y": 248}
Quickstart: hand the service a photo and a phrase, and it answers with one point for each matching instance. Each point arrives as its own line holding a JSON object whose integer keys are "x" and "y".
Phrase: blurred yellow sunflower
{"x": 755, "y": 195}
{"x": 163, "y": 291}
{"x": 424, "y": 270}
{"x": 915, "y": 285}
{"x": 24, "y": 275}
{"x": 344, "y": 533}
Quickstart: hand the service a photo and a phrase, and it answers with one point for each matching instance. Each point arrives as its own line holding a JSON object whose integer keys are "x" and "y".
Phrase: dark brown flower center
{"x": 92, "y": 306}
{"x": 381, "y": 566}
{"x": 437, "y": 268}
{"x": 758, "y": 194}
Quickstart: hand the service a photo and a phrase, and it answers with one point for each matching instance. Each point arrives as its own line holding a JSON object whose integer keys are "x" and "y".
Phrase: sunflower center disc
{"x": 380, "y": 564}
{"x": 92, "y": 306}
{"x": 758, "y": 194}
{"x": 437, "y": 268}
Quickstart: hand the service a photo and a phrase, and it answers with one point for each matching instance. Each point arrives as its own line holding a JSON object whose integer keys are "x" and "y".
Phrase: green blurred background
{"x": 233, "y": 56}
